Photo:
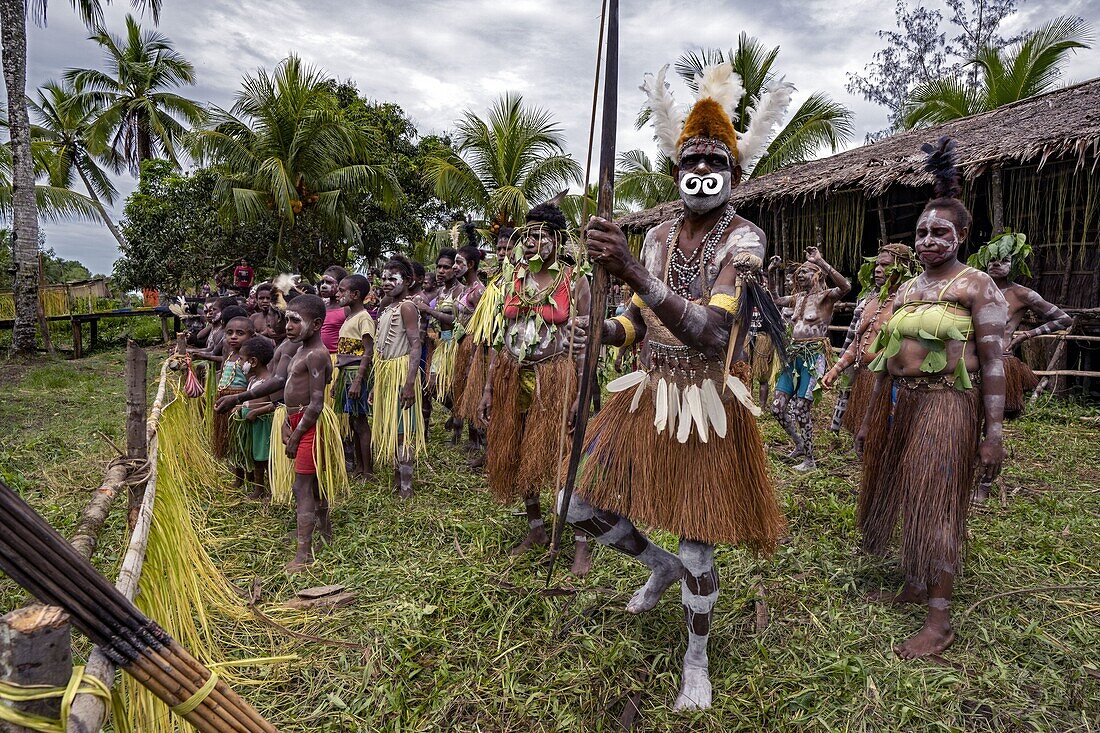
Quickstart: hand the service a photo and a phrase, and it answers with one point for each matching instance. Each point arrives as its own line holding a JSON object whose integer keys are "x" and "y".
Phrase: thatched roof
{"x": 1059, "y": 124}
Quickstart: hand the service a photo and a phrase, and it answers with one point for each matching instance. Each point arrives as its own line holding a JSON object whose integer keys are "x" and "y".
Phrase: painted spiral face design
{"x": 693, "y": 184}
{"x": 705, "y": 193}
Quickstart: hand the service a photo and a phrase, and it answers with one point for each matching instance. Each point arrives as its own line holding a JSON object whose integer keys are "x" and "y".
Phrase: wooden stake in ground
{"x": 36, "y": 649}
{"x": 137, "y": 361}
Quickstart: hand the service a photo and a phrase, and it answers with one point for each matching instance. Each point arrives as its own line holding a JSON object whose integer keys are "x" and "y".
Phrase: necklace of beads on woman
{"x": 683, "y": 270}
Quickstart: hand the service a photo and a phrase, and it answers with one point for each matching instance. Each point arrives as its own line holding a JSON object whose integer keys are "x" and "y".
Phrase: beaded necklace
{"x": 683, "y": 270}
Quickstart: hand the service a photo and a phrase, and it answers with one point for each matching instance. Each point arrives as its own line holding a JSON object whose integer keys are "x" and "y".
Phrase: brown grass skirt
{"x": 763, "y": 356}
{"x": 219, "y": 431}
{"x": 522, "y": 445}
{"x": 858, "y": 398}
{"x": 462, "y": 366}
{"x": 926, "y": 475}
{"x": 467, "y": 402}
{"x": 871, "y": 509}
{"x": 1018, "y": 379}
{"x": 711, "y": 492}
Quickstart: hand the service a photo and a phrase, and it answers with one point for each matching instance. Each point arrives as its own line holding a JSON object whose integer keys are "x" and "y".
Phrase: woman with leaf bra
{"x": 941, "y": 354}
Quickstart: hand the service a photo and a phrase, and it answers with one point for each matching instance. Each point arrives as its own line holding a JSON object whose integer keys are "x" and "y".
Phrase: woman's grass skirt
{"x": 859, "y": 396}
{"x": 443, "y": 369}
{"x": 219, "y": 432}
{"x": 525, "y": 422}
{"x": 711, "y": 492}
{"x": 1018, "y": 379}
{"x": 924, "y": 475}
{"x": 473, "y": 386}
{"x": 395, "y": 426}
{"x": 763, "y": 359}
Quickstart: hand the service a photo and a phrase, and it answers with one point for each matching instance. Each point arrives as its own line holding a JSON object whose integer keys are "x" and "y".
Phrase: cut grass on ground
{"x": 461, "y": 638}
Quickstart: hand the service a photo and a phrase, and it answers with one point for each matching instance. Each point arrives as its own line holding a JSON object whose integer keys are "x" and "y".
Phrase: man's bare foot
{"x": 299, "y": 564}
{"x": 582, "y": 560}
{"x": 659, "y": 581}
{"x": 933, "y": 638}
{"x": 907, "y": 595}
{"x": 808, "y": 464}
{"x": 535, "y": 538}
{"x": 478, "y": 461}
{"x": 695, "y": 693}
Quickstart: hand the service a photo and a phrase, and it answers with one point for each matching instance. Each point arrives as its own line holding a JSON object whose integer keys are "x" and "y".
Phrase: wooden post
{"x": 93, "y": 337}
{"x": 136, "y": 447}
{"x": 36, "y": 649}
{"x": 164, "y": 329}
{"x": 884, "y": 233}
{"x": 78, "y": 339}
{"x": 996, "y": 194}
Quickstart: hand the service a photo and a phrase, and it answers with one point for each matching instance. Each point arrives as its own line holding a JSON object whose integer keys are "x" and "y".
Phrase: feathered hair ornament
{"x": 720, "y": 93}
{"x": 940, "y": 162}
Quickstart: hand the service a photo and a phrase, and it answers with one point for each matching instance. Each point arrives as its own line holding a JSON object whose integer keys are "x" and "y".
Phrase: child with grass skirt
{"x": 352, "y": 387}
{"x": 398, "y": 425}
{"x": 232, "y": 379}
{"x": 253, "y": 419}
{"x": 311, "y": 434}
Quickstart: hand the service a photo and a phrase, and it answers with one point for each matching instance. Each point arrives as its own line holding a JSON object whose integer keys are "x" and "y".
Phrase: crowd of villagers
{"x": 302, "y": 386}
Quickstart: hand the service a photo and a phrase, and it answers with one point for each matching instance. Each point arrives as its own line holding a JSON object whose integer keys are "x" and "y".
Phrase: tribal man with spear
{"x": 677, "y": 446}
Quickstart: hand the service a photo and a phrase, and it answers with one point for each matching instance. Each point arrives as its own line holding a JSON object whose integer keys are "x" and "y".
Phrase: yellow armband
{"x": 628, "y": 329}
{"x": 729, "y": 303}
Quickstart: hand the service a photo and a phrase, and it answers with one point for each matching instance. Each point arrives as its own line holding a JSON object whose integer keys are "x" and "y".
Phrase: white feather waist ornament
{"x": 683, "y": 404}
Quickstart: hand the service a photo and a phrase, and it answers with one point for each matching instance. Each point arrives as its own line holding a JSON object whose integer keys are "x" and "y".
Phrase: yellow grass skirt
{"x": 443, "y": 369}
{"x": 328, "y": 456}
{"x": 392, "y": 424}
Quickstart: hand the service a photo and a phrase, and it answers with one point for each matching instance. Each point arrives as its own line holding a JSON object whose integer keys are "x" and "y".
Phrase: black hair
{"x": 472, "y": 255}
{"x": 260, "y": 347}
{"x": 946, "y": 186}
{"x": 419, "y": 270}
{"x": 226, "y": 302}
{"x": 262, "y": 287}
{"x": 400, "y": 263}
{"x": 472, "y": 237}
{"x": 505, "y": 233}
{"x": 246, "y": 319}
{"x": 359, "y": 284}
{"x": 550, "y": 215}
{"x": 231, "y": 312}
{"x": 310, "y": 307}
{"x": 447, "y": 253}
{"x": 337, "y": 272}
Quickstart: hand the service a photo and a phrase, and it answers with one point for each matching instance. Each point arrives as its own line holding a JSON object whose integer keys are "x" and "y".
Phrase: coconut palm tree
{"x": 818, "y": 123}
{"x": 504, "y": 164}
{"x": 1029, "y": 67}
{"x": 67, "y": 123}
{"x": 139, "y": 116}
{"x": 53, "y": 203}
{"x": 286, "y": 150}
{"x": 641, "y": 183}
{"x": 13, "y": 40}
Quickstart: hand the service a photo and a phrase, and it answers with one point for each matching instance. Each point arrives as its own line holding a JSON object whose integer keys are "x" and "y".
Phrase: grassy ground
{"x": 459, "y": 636}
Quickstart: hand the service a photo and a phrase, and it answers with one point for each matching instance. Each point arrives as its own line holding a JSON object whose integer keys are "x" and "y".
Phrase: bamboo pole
{"x": 1059, "y": 350}
{"x": 137, "y": 362}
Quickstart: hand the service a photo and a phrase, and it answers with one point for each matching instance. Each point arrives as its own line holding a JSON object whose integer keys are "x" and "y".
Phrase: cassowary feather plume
{"x": 941, "y": 164}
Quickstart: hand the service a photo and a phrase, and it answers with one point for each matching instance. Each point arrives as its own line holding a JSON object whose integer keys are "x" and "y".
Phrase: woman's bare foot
{"x": 582, "y": 560}
{"x": 659, "y": 581}
{"x": 535, "y": 538}
{"x": 907, "y": 595}
{"x": 935, "y": 636}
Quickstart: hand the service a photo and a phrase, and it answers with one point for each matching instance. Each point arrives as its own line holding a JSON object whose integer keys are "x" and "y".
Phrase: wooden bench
{"x": 78, "y": 320}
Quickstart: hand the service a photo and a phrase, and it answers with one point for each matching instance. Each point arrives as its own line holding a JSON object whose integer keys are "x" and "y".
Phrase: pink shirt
{"x": 330, "y": 329}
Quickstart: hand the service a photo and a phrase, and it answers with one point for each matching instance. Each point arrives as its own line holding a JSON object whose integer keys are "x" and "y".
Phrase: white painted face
{"x": 705, "y": 177}
{"x": 393, "y": 283}
{"x": 937, "y": 238}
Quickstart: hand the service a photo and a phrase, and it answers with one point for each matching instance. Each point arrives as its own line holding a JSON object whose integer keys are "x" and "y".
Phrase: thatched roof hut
{"x": 1036, "y": 159}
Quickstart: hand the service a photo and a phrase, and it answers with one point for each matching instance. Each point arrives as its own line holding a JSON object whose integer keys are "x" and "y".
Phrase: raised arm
{"x": 1051, "y": 317}
{"x": 841, "y": 286}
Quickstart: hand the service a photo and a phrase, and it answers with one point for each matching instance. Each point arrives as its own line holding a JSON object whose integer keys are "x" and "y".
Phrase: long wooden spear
{"x": 600, "y": 279}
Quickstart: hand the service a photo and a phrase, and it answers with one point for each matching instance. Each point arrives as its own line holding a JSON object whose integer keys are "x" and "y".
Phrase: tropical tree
{"x": 53, "y": 203}
{"x": 13, "y": 41}
{"x": 286, "y": 150}
{"x": 818, "y": 123}
{"x": 1031, "y": 66}
{"x": 504, "y": 164}
{"x": 66, "y": 122}
{"x": 139, "y": 116}
{"x": 641, "y": 183}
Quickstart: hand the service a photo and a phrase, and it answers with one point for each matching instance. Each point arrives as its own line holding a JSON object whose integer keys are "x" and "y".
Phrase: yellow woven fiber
{"x": 389, "y": 378}
{"x": 328, "y": 455}
{"x": 483, "y": 322}
{"x": 280, "y": 470}
{"x": 443, "y": 367}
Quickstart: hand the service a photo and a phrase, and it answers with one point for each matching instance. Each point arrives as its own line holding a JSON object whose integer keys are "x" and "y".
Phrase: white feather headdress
{"x": 720, "y": 83}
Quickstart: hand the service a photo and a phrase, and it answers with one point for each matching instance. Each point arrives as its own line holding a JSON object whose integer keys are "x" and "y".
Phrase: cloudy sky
{"x": 438, "y": 58}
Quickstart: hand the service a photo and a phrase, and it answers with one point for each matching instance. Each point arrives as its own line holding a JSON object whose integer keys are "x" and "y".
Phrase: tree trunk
{"x": 996, "y": 193}
{"x": 35, "y": 649}
{"x": 102, "y": 210}
{"x": 13, "y": 38}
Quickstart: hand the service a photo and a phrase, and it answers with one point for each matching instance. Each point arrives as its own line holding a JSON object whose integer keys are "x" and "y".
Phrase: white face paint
{"x": 937, "y": 238}
{"x": 706, "y": 193}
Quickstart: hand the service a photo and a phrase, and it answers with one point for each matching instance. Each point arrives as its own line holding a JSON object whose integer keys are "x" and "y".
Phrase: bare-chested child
{"x": 267, "y": 319}
{"x": 258, "y": 353}
{"x": 809, "y": 350}
{"x": 303, "y": 389}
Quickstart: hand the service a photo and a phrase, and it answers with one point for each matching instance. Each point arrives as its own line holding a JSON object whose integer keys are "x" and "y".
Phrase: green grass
{"x": 460, "y": 636}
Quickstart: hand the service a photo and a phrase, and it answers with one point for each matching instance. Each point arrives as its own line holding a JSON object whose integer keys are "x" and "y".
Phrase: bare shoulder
{"x": 979, "y": 288}
{"x": 651, "y": 245}
{"x": 743, "y": 236}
